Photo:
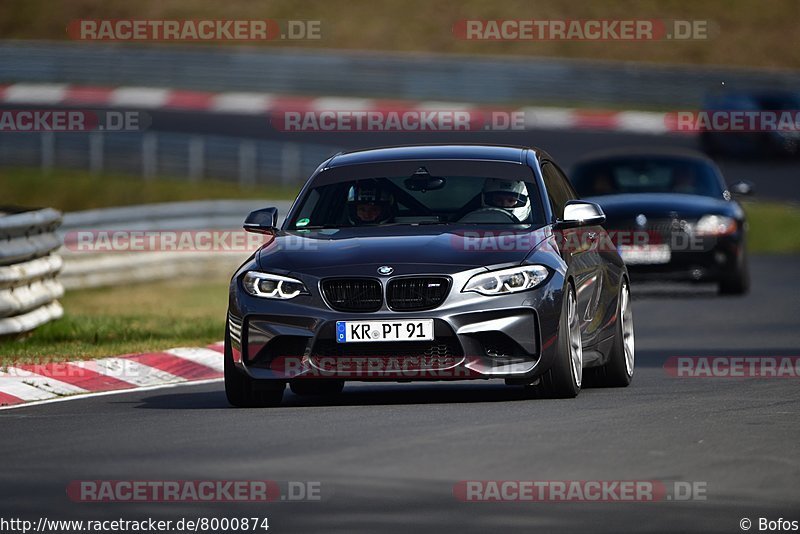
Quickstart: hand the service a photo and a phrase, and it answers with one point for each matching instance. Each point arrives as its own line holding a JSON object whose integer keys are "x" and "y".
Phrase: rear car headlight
{"x": 715, "y": 225}
{"x": 272, "y": 286}
{"x": 507, "y": 280}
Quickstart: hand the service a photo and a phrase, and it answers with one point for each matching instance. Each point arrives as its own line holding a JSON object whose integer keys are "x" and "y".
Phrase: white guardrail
{"x": 29, "y": 264}
{"x": 83, "y": 269}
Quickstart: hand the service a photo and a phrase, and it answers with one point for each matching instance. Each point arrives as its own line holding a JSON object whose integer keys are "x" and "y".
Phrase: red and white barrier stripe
{"x": 265, "y": 103}
{"x": 24, "y": 383}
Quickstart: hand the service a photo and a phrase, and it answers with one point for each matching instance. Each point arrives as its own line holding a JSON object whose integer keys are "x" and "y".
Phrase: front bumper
{"x": 717, "y": 259}
{"x": 475, "y": 336}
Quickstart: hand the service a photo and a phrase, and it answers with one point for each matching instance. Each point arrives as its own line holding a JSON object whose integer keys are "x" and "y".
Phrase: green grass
{"x": 68, "y": 190}
{"x": 747, "y": 32}
{"x": 774, "y": 227}
{"x": 127, "y": 319}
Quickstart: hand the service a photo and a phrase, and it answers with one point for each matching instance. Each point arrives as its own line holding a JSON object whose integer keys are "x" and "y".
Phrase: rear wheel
{"x": 245, "y": 392}
{"x": 618, "y": 371}
{"x": 563, "y": 379}
{"x": 321, "y": 387}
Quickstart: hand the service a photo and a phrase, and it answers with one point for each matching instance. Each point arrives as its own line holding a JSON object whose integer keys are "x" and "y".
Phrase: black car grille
{"x": 655, "y": 232}
{"x": 415, "y": 294}
{"x": 353, "y": 294}
{"x": 438, "y": 354}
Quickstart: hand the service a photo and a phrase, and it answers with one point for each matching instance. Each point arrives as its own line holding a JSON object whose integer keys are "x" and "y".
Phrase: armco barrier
{"x": 29, "y": 290}
{"x": 95, "y": 269}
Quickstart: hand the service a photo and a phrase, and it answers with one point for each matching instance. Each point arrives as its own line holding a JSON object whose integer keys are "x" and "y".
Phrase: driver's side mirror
{"x": 581, "y": 213}
{"x": 263, "y": 221}
{"x": 742, "y": 188}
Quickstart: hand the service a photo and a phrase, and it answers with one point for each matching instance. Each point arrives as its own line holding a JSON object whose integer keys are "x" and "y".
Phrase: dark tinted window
{"x": 397, "y": 200}
{"x": 646, "y": 175}
{"x": 558, "y": 188}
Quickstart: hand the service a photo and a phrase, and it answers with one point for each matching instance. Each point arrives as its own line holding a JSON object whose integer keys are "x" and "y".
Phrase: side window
{"x": 558, "y": 188}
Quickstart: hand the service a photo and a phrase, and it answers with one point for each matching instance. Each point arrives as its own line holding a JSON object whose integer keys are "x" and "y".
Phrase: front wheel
{"x": 563, "y": 379}
{"x": 738, "y": 282}
{"x": 244, "y": 392}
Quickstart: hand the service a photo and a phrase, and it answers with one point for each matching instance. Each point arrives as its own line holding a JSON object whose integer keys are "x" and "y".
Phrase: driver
{"x": 368, "y": 203}
{"x": 507, "y": 195}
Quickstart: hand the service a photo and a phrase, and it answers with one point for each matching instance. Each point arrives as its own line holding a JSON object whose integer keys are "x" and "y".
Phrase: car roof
{"x": 500, "y": 153}
{"x": 644, "y": 153}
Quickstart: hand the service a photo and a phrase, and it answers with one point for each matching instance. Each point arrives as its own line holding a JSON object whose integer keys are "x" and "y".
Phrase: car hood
{"x": 443, "y": 248}
{"x": 661, "y": 206}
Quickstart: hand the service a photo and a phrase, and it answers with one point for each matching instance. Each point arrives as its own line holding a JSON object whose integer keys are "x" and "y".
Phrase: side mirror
{"x": 263, "y": 221}
{"x": 581, "y": 213}
{"x": 743, "y": 188}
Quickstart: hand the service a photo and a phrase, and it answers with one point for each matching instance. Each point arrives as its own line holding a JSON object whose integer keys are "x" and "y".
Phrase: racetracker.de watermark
{"x": 583, "y": 30}
{"x": 579, "y": 491}
{"x": 734, "y": 121}
{"x": 72, "y": 120}
{"x": 189, "y": 491}
{"x": 733, "y": 366}
{"x": 401, "y": 120}
{"x": 123, "y": 240}
{"x": 399, "y": 367}
{"x": 193, "y": 30}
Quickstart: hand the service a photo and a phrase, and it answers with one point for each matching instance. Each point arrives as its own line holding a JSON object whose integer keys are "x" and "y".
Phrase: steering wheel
{"x": 489, "y": 215}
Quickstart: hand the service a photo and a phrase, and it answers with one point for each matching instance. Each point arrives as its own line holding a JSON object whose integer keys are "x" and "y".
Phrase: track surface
{"x": 388, "y": 455}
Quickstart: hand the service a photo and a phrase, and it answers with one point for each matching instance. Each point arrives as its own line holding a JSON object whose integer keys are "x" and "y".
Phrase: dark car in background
{"x": 751, "y": 144}
{"x": 428, "y": 263}
{"x": 670, "y": 214}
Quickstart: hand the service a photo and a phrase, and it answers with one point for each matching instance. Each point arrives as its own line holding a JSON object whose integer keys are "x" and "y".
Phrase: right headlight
{"x": 715, "y": 225}
{"x": 272, "y": 286}
{"x": 507, "y": 281}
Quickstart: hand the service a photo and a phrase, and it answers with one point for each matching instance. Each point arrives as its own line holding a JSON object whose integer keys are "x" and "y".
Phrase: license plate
{"x": 369, "y": 331}
{"x": 645, "y": 254}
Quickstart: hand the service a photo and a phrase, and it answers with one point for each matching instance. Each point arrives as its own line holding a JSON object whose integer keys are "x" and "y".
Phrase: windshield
{"x": 419, "y": 199}
{"x": 651, "y": 175}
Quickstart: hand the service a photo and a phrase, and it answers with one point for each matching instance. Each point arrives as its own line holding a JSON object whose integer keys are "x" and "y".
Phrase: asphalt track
{"x": 388, "y": 456}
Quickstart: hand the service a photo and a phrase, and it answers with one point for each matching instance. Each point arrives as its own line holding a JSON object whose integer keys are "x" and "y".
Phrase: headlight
{"x": 715, "y": 225}
{"x": 507, "y": 280}
{"x": 272, "y": 286}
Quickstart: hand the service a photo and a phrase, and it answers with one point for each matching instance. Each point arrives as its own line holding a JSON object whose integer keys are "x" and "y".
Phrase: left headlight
{"x": 715, "y": 225}
{"x": 272, "y": 286}
{"x": 507, "y": 280}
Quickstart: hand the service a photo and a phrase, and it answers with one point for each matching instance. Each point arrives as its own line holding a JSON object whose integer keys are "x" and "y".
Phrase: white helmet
{"x": 508, "y": 195}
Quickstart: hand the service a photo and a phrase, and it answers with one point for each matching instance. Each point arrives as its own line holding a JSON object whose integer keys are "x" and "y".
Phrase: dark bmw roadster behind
{"x": 430, "y": 263}
{"x": 671, "y": 215}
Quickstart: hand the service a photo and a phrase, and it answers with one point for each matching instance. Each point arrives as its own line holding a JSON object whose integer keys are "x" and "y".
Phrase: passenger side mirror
{"x": 742, "y": 188}
{"x": 263, "y": 221}
{"x": 581, "y": 213}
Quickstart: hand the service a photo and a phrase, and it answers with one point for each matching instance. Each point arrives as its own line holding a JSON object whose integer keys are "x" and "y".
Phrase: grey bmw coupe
{"x": 434, "y": 262}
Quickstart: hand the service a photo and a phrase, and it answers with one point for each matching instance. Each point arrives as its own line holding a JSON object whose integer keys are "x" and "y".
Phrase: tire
{"x": 737, "y": 283}
{"x": 563, "y": 379}
{"x": 244, "y": 392}
{"x": 320, "y": 387}
{"x": 618, "y": 371}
